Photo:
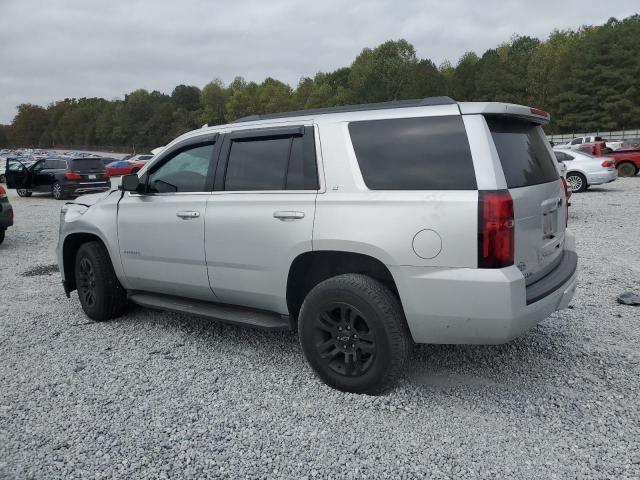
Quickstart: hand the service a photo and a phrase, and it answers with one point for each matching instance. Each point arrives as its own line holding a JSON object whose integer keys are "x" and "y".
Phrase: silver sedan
{"x": 584, "y": 170}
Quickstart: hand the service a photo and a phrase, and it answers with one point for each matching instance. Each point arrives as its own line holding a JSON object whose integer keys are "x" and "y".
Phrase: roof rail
{"x": 421, "y": 102}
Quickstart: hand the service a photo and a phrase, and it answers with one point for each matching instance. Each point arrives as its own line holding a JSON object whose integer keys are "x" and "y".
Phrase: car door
{"x": 44, "y": 174}
{"x": 17, "y": 175}
{"x": 261, "y": 215}
{"x": 161, "y": 230}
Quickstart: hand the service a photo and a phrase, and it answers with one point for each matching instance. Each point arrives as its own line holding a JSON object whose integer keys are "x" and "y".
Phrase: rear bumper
{"x": 83, "y": 188}
{"x": 604, "y": 176}
{"x": 481, "y": 306}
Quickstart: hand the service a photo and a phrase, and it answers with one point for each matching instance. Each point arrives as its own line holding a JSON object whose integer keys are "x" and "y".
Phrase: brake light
{"x": 10, "y": 215}
{"x": 496, "y": 229}
{"x": 537, "y": 111}
{"x": 73, "y": 176}
{"x": 608, "y": 163}
{"x": 3, "y": 192}
{"x": 566, "y": 200}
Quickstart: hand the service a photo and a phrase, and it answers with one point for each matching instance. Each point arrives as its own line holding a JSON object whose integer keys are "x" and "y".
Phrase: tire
{"x": 627, "y": 169}
{"x": 577, "y": 182}
{"x": 353, "y": 334}
{"x": 2, "y": 236}
{"x": 23, "y": 192}
{"x": 101, "y": 294}
{"x": 57, "y": 191}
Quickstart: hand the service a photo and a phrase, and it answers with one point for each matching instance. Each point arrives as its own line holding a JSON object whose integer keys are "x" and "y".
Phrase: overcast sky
{"x": 52, "y": 49}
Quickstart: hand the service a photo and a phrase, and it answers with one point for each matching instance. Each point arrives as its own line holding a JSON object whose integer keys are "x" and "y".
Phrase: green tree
{"x": 186, "y": 97}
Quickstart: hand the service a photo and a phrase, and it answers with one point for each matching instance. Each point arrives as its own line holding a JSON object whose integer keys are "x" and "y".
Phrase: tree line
{"x": 587, "y": 78}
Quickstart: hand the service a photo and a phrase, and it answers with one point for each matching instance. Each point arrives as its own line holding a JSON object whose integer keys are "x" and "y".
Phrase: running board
{"x": 214, "y": 311}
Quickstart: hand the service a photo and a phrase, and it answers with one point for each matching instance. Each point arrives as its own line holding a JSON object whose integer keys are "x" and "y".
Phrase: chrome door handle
{"x": 187, "y": 215}
{"x": 288, "y": 215}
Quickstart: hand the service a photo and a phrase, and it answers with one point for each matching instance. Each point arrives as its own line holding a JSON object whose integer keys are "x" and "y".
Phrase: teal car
{"x": 6, "y": 213}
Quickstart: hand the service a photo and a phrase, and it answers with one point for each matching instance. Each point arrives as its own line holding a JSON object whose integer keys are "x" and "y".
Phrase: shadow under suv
{"x": 63, "y": 177}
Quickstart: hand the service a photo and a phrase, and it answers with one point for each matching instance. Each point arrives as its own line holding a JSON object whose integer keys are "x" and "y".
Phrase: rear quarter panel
{"x": 388, "y": 224}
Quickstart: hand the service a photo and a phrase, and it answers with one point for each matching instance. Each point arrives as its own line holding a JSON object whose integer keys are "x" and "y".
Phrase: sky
{"x": 56, "y": 49}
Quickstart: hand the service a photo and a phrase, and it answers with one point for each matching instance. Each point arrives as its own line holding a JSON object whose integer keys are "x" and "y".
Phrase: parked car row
{"x": 64, "y": 175}
{"x": 625, "y": 154}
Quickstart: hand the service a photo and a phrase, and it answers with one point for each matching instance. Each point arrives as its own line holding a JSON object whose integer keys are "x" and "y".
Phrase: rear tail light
{"x": 73, "y": 176}
{"x": 566, "y": 200}
{"x": 496, "y": 229}
{"x": 608, "y": 163}
{"x": 10, "y": 215}
{"x": 3, "y": 192}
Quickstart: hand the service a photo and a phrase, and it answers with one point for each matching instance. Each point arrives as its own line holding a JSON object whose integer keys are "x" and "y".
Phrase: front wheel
{"x": 627, "y": 169}
{"x": 23, "y": 192}
{"x": 353, "y": 334}
{"x": 101, "y": 294}
{"x": 577, "y": 182}
{"x": 2, "y": 236}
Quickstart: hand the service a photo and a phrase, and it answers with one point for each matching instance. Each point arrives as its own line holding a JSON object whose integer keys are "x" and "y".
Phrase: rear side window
{"x": 258, "y": 164}
{"x": 265, "y": 161}
{"x": 423, "y": 153}
{"x": 523, "y": 152}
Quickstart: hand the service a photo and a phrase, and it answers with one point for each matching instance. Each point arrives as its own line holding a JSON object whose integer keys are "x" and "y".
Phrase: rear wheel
{"x": 2, "y": 235}
{"x": 23, "y": 192}
{"x": 101, "y": 294}
{"x": 353, "y": 333}
{"x": 577, "y": 182}
{"x": 57, "y": 192}
{"x": 627, "y": 169}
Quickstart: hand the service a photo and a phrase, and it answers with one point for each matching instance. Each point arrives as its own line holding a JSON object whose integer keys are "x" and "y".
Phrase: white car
{"x": 365, "y": 228}
{"x": 584, "y": 170}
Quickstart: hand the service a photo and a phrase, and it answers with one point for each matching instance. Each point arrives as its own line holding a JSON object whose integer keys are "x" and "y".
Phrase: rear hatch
{"x": 90, "y": 169}
{"x": 539, "y": 202}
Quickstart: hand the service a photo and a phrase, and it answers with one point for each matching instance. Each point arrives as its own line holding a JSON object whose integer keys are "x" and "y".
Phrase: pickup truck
{"x": 627, "y": 160}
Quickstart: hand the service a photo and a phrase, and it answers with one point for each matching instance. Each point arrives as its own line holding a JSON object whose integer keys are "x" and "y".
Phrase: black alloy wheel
{"x": 344, "y": 341}
{"x": 87, "y": 282}
{"x": 353, "y": 333}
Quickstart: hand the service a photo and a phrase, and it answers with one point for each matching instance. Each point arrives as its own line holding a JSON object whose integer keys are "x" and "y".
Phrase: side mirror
{"x": 130, "y": 183}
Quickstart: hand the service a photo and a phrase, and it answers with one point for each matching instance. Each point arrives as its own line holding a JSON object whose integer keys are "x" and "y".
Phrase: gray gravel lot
{"x": 160, "y": 395}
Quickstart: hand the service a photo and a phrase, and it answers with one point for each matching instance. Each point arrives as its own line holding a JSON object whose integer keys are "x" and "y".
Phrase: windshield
{"x": 87, "y": 165}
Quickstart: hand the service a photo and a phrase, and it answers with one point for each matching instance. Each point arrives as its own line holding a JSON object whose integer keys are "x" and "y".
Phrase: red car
{"x": 627, "y": 159}
{"x": 125, "y": 167}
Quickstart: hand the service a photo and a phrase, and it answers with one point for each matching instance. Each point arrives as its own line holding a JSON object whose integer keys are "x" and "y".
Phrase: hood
{"x": 92, "y": 198}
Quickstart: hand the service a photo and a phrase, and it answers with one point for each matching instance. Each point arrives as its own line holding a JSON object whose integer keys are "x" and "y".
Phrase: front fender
{"x": 98, "y": 221}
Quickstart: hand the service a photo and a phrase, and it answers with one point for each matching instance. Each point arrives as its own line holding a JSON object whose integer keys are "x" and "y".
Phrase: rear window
{"x": 523, "y": 152}
{"x": 86, "y": 164}
{"x": 424, "y": 153}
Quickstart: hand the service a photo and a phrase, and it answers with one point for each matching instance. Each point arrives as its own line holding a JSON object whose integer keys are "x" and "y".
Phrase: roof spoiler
{"x": 534, "y": 115}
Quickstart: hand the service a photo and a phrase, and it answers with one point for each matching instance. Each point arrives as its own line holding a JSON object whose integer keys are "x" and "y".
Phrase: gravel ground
{"x": 160, "y": 395}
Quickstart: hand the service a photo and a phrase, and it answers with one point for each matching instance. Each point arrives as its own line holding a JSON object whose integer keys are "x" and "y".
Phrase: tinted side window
{"x": 186, "y": 171}
{"x": 272, "y": 163}
{"x": 523, "y": 152}
{"x": 424, "y": 153}
{"x": 258, "y": 164}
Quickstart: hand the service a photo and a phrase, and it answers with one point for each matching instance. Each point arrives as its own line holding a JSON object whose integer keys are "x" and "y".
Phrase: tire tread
{"x": 115, "y": 296}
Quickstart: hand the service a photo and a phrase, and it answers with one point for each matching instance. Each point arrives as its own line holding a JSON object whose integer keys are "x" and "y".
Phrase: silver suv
{"x": 367, "y": 228}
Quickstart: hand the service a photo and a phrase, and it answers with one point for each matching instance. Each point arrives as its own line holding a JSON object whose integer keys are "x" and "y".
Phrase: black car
{"x": 63, "y": 177}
